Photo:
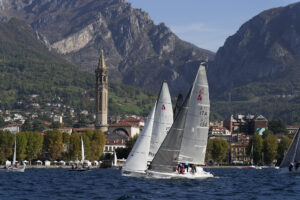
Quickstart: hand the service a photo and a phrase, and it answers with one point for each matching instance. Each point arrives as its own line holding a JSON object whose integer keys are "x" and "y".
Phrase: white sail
{"x": 15, "y": 151}
{"x": 194, "y": 141}
{"x": 137, "y": 159}
{"x": 115, "y": 159}
{"x": 163, "y": 120}
{"x": 82, "y": 151}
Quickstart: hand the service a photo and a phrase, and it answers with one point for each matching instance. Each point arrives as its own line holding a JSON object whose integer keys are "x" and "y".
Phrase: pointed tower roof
{"x": 101, "y": 64}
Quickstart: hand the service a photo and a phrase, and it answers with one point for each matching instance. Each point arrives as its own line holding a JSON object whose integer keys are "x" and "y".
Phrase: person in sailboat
{"x": 291, "y": 166}
{"x": 297, "y": 165}
{"x": 186, "y": 166}
{"x": 193, "y": 167}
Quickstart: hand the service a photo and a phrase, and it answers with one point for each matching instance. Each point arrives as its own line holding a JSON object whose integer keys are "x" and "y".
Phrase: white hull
{"x": 16, "y": 169}
{"x": 200, "y": 174}
{"x": 254, "y": 167}
{"x": 285, "y": 170}
{"x": 138, "y": 174}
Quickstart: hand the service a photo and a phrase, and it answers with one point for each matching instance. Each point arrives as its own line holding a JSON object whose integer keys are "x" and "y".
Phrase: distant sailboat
{"x": 15, "y": 167}
{"x": 81, "y": 167}
{"x": 252, "y": 166}
{"x": 136, "y": 163}
{"x": 187, "y": 139}
{"x": 163, "y": 120}
{"x": 115, "y": 160}
{"x": 291, "y": 161}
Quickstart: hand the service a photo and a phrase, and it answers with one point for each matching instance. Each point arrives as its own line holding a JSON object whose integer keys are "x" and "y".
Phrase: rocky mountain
{"x": 258, "y": 69}
{"x": 138, "y": 52}
{"x": 266, "y": 48}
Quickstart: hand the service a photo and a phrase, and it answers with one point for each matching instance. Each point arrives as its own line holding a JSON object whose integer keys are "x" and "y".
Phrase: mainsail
{"x": 137, "y": 159}
{"x": 186, "y": 141}
{"x": 194, "y": 141}
{"x": 163, "y": 119}
{"x": 293, "y": 153}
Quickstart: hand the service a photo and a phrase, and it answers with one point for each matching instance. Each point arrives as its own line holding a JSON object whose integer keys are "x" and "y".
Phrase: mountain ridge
{"x": 131, "y": 41}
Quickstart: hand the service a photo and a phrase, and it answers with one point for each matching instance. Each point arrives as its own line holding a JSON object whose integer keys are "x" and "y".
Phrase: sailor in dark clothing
{"x": 194, "y": 170}
{"x": 297, "y": 165}
{"x": 291, "y": 167}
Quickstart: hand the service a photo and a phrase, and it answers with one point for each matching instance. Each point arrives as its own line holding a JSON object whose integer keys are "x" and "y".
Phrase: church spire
{"x": 101, "y": 64}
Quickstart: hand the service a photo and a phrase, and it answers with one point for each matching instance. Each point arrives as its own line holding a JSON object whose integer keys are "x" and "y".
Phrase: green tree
{"x": 6, "y": 145}
{"x": 53, "y": 144}
{"x": 270, "y": 148}
{"x": 283, "y": 147}
{"x": 220, "y": 149}
{"x": 66, "y": 145}
{"x": 257, "y": 142}
{"x": 55, "y": 125}
{"x": 21, "y": 146}
{"x": 209, "y": 148}
{"x": 97, "y": 145}
{"x": 34, "y": 145}
{"x": 74, "y": 147}
{"x": 37, "y": 125}
{"x": 277, "y": 126}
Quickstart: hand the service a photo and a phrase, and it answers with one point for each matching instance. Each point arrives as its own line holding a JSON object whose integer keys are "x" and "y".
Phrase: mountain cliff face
{"x": 266, "y": 48}
{"x": 258, "y": 69}
{"x": 137, "y": 51}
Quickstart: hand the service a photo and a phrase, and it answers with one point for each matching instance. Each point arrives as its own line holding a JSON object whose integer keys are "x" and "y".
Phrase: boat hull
{"x": 16, "y": 169}
{"x": 200, "y": 174}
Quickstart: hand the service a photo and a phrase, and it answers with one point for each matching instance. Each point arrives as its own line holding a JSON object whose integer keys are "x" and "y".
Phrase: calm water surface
{"x": 109, "y": 184}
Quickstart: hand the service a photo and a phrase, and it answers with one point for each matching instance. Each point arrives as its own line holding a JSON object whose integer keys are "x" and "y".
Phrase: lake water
{"x": 109, "y": 184}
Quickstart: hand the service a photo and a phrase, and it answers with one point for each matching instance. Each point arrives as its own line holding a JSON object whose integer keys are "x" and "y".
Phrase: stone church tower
{"x": 101, "y": 94}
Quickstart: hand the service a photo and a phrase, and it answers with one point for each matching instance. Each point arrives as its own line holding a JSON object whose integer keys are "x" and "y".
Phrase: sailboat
{"x": 187, "y": 139}
{"x": 157, "y": 125}
{"x": 252, "y": 166}
{"x": 115, "y": 160}
{"x": 291, "y": 160}
{"x": 136, "y": 163}
{"x": 81, "y": 167}
{"x": 15, "y": 167}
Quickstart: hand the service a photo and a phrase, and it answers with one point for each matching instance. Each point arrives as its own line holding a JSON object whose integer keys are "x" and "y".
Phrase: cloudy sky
{"x": 205, "y": 23}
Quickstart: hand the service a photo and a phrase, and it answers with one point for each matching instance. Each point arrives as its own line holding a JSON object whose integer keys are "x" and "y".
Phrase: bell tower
{"x": 101, "y": 94}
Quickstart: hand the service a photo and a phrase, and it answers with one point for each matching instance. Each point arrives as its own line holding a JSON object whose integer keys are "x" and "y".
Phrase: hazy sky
{"x": 205, "y": 23}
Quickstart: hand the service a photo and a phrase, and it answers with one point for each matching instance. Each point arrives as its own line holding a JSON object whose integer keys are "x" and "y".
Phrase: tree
{"x": 283, "y": 147}
{"x": 21, "y": 145}
{"x": 277, "y": 126}
{"x": 257, "y": 142}
{"x": 55, "y": 125}
{"x": 219, "y": 149}
{"x": 270, "y": 148}
{"x": 74, "y": 147}
{"x": 124, "y": 152}
{"x": 66, "y": 145}
{"x": 209, "y": 148}
{"x": 97, "y": 145}
{"x": 6, "y": 145}
{"x": 34, "y": 145}
{"x": 53, "y": 144}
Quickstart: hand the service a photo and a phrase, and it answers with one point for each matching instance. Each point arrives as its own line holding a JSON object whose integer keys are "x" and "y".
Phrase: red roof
{"x": 131, "y": 119}
{"x": 123, "y": 124}
{"x": 11, "y": 125}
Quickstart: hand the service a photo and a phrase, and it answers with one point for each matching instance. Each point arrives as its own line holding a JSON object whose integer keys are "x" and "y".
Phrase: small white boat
{"x": 15, "y": 167}
{"x": 187, "y": 139}
{"x": 291, "y": 160}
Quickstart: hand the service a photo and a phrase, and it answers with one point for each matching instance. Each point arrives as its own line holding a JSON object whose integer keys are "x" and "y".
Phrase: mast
{"x": 82, "y": 151}
{"x": 252, "y": 153}
{"x": 15, "y": 150}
